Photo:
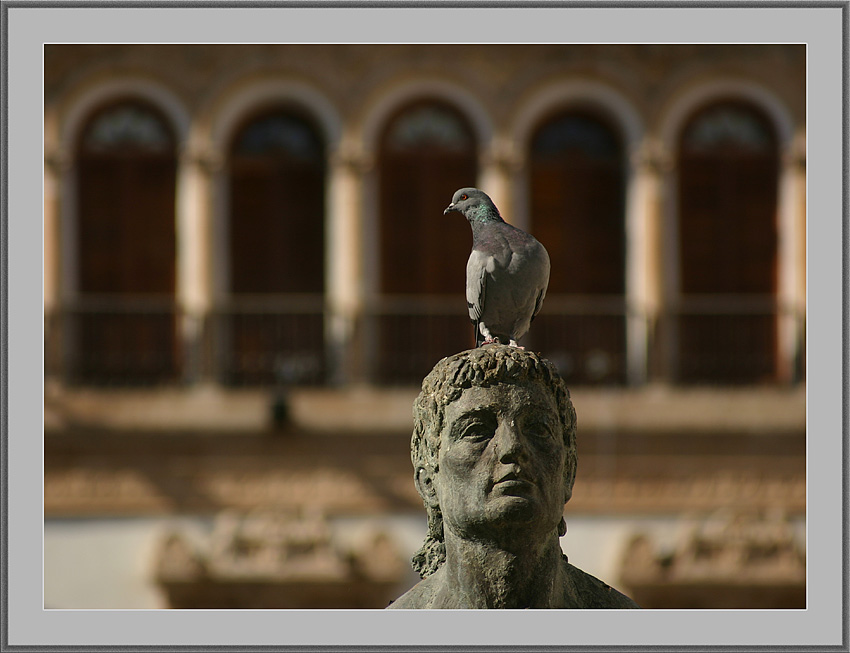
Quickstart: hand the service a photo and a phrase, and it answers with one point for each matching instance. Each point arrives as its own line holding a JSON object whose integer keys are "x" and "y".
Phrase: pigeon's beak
{"x": 451, "y": 207}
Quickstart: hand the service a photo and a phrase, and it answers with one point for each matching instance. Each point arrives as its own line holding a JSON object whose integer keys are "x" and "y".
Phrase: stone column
{"x": 800, "y": 227}
{"x": 194, "y": 258}
{"x": 499, "y": 167}
{"x": 791, "y": 258}
{"x": 645, "y": 290}
{"x": 56, "y": 167}
{"x": 345, "y": 266}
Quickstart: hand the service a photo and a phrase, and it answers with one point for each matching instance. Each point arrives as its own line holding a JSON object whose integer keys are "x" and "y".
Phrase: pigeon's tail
{"x": 479, "y": 338}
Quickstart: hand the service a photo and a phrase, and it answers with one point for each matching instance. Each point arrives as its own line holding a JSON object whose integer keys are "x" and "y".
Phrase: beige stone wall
{"x": 498, "y": 75}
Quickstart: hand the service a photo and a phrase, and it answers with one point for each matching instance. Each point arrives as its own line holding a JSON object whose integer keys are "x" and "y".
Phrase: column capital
{"x": 353, "y": 159}
{"x": 796, "y": 161}
{"x": 58, "y": 160}
{"x": 504, "y": 155}
{"x": 653, "y": 157}
{"x": 205, "y": 160}
{"x": 794, "y": 157}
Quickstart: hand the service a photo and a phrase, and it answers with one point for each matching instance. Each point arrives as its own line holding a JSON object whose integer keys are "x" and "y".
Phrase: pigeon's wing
{"x": 538, "y": 303}
{"x": 476, "y": 283}
{"x": 543, "y": 257}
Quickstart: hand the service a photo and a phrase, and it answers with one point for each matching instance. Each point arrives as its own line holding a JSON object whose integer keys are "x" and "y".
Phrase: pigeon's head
{"x": 474, "y": 205}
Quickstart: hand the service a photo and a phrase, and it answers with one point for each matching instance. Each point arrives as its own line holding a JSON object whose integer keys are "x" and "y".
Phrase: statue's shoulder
{"x": 420, "y": 596}
{"x": 592, "y": 593}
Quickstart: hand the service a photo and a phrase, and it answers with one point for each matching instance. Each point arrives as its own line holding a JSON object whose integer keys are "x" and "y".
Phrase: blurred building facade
{"x": 222, "y": 221}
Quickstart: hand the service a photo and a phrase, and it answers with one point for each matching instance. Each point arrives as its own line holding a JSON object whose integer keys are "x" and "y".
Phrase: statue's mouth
{"x": 512, "y": 483}
{"x": 512, "y": 480}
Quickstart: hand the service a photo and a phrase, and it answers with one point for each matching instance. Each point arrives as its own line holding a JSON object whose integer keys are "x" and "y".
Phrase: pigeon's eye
{"x": 464, "y": 197}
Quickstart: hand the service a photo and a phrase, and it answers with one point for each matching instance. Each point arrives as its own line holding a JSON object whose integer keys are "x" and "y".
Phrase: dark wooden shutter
{"x": 124, "y": 324}
{"x": 576, "y": 191}
{"x": 428, "y": 151}
{"x": 277, "y": 206}
{"x": 276, "y": 237}
{"x": 728, "y": 179}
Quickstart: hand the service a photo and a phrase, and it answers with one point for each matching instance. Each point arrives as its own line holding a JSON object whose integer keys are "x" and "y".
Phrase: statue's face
{"x": 501, "y": 462}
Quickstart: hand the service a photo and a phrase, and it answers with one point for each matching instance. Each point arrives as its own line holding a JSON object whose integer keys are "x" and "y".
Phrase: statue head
{"x": 503, "y": 420}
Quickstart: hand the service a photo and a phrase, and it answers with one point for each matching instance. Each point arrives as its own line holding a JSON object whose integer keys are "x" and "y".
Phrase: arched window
{"x": 123, "y": 327}
{"x": 576, "y": 192}
{"x": 277, "y": 206}
{"x": 276, "y": 234}
{"x": 727, "y": 200}
{"x": 427, "y": 152}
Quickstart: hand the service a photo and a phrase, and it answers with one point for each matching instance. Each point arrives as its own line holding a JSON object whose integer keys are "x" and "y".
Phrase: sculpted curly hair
{"x": 483, "y": 366}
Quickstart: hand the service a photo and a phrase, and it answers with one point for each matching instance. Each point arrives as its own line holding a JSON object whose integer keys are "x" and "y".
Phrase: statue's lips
{"x": 512, "y": 482}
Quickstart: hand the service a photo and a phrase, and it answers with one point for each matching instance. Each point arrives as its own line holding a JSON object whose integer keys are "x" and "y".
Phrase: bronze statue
{"x": 494, "y": 454}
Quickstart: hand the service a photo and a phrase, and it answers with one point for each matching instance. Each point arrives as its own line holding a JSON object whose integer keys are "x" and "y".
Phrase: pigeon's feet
{"x": 514, "y": 343}
{"x": 490, "y": 341}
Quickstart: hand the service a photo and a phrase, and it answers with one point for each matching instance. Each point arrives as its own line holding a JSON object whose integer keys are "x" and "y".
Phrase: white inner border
{"x": 29, "y": 28}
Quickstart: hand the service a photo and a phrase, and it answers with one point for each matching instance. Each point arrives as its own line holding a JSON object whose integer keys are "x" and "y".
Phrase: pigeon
{"x": 507, "y": 273}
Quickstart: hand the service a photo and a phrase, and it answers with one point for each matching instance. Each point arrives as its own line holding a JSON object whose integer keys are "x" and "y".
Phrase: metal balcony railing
{"x": 268, "y": 340}
{"x": 108, "y": 340}
{"x": 730, "y": 339}
{"x": 407, "y": 334}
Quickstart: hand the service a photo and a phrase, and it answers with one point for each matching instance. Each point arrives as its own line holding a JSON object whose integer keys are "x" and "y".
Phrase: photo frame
{"x": 821, "y": 26}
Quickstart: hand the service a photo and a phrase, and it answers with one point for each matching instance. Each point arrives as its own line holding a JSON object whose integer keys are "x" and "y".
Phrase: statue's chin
{"x": 513, "y": 509}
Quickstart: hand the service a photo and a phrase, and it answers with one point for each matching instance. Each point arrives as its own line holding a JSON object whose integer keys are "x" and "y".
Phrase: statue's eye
{"x": 464, "y": 197}
{"x": 478, "y": 430}
{"x": 539, "y": 430}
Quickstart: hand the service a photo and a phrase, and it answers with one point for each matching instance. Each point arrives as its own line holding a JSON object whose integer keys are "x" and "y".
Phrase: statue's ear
{"x": 424, "y": 481}
{"x": 570, "y": 479}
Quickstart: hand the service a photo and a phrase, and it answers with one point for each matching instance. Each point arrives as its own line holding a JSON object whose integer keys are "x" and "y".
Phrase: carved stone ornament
{"x": 270, "y": 560}
{"x": 731, "y": 560}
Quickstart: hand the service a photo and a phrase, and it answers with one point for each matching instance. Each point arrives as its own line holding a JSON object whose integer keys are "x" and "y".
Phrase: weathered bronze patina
{"x": 494, "y": 454}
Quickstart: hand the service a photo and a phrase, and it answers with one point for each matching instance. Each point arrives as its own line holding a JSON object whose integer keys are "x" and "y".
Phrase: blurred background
{"x": 247, "y": 273}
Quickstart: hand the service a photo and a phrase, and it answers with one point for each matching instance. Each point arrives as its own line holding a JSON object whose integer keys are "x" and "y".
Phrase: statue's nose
{"x": 509, "y": 442}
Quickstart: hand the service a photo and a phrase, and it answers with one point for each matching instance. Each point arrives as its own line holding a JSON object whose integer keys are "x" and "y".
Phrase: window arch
{"x": 276, "y": 239}
{"x": 728, "y": 173}
{"x": 124, "y": 324}
{"x": 577, "y": 207}
{"x": 427, "y": 151}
